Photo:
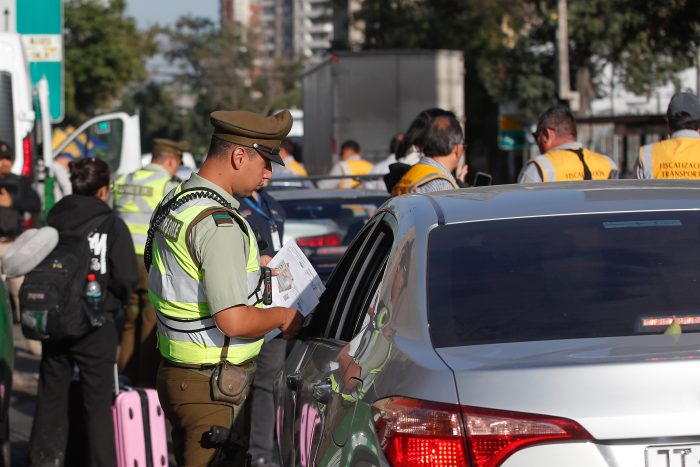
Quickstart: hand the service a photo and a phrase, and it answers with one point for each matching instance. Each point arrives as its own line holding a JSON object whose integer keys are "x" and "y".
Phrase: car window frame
{"x": 343, "y": 297}
{"x": 373, "y": 268}
{"x": 324, "y": 312}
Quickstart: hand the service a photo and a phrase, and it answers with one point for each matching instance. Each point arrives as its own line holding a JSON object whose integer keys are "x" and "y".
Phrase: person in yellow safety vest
{"x": 351, "y": 163}
{"x": 136, "y": 195}
{"x": 679, "y": 156}
{"x": 291, "y": 165}
{"x": 563, "y": 158}
{"x": 443, "y": 147}
{"x": 206, "y": 283}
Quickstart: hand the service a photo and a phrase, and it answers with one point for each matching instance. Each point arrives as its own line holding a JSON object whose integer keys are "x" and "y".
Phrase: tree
{"x": 104, "y": 52}
{"x": 159, "y": 117}
{"x": 216, "y": 65}
{"x": 222, "y": 68}
{"x": 510, "y": 44}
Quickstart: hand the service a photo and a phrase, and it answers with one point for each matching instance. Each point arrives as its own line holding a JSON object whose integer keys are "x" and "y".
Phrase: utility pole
{"x": 565, "y": 91}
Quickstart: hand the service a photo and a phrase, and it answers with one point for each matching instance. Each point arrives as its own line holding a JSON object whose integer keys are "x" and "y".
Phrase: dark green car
{"x": 6, "y": 366}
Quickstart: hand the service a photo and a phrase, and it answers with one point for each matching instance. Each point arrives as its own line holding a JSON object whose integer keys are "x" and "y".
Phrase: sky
{"x": 166, "y": 12}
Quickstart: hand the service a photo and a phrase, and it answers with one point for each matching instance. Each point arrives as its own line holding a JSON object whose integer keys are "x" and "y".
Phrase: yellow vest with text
{"x": 671, "y": 158}
{"x": 136, "y": 196}
{"x": 417, "y": 176}
{"x": 187, "y": 332}
{"x": 564, "y": 165}
{"x": 354, "y": 167}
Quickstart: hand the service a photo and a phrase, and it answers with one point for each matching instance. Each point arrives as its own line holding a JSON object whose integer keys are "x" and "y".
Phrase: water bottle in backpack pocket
{"x": 93, "y": 297}
{"x": 54, "y": 300}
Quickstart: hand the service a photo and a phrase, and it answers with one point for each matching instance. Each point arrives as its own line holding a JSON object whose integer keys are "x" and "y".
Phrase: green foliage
{"x": 215, "y": 69}
{"x": 223, "y": 73}
{"x": 104, "y": 52}
{"x": 509, "y": 45}
{"x": 158, "y": 114}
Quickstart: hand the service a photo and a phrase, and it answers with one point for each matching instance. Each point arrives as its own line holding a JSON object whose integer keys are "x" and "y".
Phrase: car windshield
{"x": 343, "y": 218}
{"x": 564, "y": 277}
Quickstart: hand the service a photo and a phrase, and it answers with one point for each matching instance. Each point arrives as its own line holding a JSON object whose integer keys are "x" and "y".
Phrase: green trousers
{"x": 185, "y": 396}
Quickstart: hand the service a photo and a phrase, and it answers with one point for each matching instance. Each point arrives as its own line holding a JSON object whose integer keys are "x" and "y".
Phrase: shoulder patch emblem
{"x": 222, "y": 219}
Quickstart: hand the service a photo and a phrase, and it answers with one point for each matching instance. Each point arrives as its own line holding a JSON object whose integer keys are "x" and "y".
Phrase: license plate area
{"x": 673, "y": 455}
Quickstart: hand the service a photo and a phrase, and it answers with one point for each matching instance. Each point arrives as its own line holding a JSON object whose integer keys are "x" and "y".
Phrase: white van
{"x": 16, "y": 105}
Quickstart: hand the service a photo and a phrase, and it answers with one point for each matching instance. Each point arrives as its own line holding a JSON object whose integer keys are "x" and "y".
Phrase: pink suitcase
{"x": 139, "y": 429}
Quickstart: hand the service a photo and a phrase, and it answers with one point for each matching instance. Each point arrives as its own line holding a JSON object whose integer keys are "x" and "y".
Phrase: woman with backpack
{"x": 92, "y": 347}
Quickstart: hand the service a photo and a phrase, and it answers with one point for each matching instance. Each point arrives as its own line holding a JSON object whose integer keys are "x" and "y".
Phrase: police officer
{"x": 204, "y": 281}
{"x": 563, "y": 158}
{"x": 679, "y": 156}
{"x": 135, "y": 197}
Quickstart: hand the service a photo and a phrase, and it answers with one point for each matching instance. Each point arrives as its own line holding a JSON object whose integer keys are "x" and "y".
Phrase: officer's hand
{"x": 5, "y": 198}
{"x": 292, "y": 323}
{"x": 265, "y": 260}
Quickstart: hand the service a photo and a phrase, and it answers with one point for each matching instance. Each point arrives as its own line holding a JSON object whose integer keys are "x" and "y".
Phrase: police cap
{"x": 178, "y": 147}
{"x": 264, "y": 134}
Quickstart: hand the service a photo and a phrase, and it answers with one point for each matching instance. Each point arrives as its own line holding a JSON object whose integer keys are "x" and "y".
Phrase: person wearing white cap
{"x": 678, "y": 156}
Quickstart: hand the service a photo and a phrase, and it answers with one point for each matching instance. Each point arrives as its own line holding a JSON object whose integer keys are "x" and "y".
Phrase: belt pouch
{"x": 229, "y": 382}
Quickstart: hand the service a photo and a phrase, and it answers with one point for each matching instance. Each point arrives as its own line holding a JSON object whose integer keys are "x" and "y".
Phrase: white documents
{"x": 296, "y": 284}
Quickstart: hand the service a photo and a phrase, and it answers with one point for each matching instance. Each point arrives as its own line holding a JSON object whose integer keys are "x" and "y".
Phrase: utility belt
{"x": 229, "y": 382}
{"x": 205, "y": 366}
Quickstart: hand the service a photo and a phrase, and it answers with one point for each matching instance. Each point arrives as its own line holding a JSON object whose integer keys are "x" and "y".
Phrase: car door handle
{"x": 322, "y": 391}
{"x": 293, "y": 381}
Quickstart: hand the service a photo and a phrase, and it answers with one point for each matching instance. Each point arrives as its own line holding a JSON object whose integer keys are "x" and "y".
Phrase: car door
{"x": 317, "y": 402}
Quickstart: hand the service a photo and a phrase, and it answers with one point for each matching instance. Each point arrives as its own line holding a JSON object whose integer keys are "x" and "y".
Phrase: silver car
{"x": 533, "y": 325}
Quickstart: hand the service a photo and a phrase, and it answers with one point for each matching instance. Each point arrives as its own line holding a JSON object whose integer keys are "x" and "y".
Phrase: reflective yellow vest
{"x": 417, "y": 176}
{"x": 136, "y": 196}
{"x": 187, "y": 332}
{"x": 671, "y": 158}
{"x": 296, "y": 167}
{"x": 354, "y": 167}
{"x": 564, "y": 165}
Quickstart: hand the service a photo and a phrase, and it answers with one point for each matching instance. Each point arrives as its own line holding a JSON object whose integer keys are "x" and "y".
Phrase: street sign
{"x": 511, "y": 133}
{"x": 40, "y": 22}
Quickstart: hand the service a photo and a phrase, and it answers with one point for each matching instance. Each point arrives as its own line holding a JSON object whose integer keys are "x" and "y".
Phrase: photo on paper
{"x": 285, "y": 280}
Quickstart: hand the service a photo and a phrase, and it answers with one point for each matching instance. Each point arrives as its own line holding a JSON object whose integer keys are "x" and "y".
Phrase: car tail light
{"x": 415, "y": 433}
{"x": 319, "y": 240}
{"x": 493, "y": 435}
{"x": 27, "y": 148}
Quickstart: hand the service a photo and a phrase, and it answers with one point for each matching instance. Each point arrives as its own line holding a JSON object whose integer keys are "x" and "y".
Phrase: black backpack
{"x": 52, "y": 302}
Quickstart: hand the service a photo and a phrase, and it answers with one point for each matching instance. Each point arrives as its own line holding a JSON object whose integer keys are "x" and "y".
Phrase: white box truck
{"x": 370, "y": 96}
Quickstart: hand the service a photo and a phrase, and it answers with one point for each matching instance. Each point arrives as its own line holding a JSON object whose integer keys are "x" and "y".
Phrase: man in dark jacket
{"x": 113, "y": 261}
{"x": 266, "y": 217}
{"x": 17, "y": 197}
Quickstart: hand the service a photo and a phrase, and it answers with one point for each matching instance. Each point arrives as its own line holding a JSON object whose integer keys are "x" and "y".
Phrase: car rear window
{"x": 564, "y": 277}
{"x": 345, "y": 216}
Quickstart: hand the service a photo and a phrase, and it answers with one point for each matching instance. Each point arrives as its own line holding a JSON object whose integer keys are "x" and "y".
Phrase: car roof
{"x": 316, "y": 194}
{"x": 551, "y": 199}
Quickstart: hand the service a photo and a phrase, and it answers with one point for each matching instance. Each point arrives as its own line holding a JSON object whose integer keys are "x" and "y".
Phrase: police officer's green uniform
{"x": 205, "y": 260}
{"x": 136, "y": 195}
